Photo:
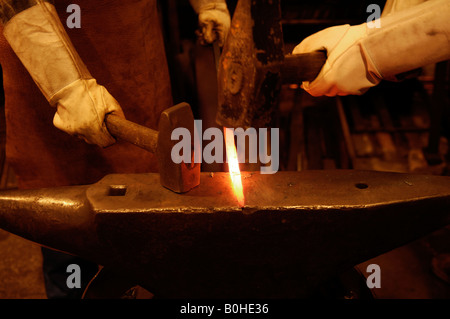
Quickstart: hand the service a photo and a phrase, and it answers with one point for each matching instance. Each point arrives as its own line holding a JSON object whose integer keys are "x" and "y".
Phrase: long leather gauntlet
{"x": 40, "y": 41}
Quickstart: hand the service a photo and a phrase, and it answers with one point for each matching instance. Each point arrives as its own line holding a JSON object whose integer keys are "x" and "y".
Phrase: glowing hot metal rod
{"x": 233, "y": 165}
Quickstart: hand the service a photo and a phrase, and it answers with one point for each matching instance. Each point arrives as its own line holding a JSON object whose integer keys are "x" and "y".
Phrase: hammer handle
{"x": 131, "y": 132}
{"x": 302, "y": 67}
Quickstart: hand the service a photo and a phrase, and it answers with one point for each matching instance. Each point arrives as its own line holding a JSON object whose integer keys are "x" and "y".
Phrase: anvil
{"x": 297, "y": 229}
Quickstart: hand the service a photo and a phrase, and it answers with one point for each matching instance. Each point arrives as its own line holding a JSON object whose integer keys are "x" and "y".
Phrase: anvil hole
{"x": 117, "y": 190}
{"x": 361, "y": 185}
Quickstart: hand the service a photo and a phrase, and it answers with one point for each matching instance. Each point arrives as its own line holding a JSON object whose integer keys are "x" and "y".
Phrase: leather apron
{"x": 121, "y": 43}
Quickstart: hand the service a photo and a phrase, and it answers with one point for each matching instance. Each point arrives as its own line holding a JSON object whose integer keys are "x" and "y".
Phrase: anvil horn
{"x": 58, "y": 218}
{"x": 297, "y": 229}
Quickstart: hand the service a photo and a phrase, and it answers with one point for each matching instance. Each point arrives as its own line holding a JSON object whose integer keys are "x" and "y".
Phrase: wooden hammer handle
{"x": 302, "y": 67}
{"x": 131, "y": 132}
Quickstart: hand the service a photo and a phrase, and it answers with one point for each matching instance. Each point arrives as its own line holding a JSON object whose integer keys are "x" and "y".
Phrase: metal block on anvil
{"x": 297, "y": 229}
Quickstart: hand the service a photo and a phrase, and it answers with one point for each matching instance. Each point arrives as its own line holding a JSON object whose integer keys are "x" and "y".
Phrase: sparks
{"x": 233, "y": 166}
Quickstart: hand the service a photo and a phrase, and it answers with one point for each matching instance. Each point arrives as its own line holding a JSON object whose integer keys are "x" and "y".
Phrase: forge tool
{"x": 179, "y": 178}
{"x": 297, "y": 229}
{"x": 253, "y": 66}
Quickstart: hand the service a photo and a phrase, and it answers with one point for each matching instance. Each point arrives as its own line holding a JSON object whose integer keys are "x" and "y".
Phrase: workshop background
{"x": 397, "y": 127}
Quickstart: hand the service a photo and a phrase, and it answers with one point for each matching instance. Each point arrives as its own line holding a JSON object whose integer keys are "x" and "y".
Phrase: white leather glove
{"x": 39, "y": 40}
{"x": 213, "y": 20}
{"x": 360, "y": 57}
{"x": 346, "y": 70}
{"x": 393, "y": 6}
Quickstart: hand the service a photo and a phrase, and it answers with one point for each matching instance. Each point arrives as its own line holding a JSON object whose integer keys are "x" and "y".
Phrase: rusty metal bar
{"x": 296, "y": 230}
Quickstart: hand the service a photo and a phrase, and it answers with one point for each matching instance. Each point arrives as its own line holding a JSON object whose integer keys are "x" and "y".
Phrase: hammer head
{"x": 249, "y": 76}
{"x": 181, "y": 177}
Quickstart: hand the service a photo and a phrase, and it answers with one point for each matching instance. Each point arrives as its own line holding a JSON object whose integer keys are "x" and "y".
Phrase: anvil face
{"x": 296, "y": 230}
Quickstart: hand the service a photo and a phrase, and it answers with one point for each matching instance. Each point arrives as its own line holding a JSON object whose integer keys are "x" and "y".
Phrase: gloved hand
{"x": 81, "y": 109}
{"x": 359, "y": 57}
{"x": 213, "y": 20}
{"x": 347, "y": 69}
{"x": 39, "y": 40}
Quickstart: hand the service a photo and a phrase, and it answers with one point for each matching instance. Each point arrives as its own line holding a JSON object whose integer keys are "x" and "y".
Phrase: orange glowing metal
{"x": 233, "y": 166}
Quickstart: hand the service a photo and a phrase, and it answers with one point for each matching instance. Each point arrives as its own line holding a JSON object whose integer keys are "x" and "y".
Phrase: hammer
{"x": 179, "y": 178}
{"x": 253, "y": 66}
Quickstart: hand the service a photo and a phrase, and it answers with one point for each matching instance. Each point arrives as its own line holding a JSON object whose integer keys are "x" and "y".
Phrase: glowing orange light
{"x": 233, "y": 166}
